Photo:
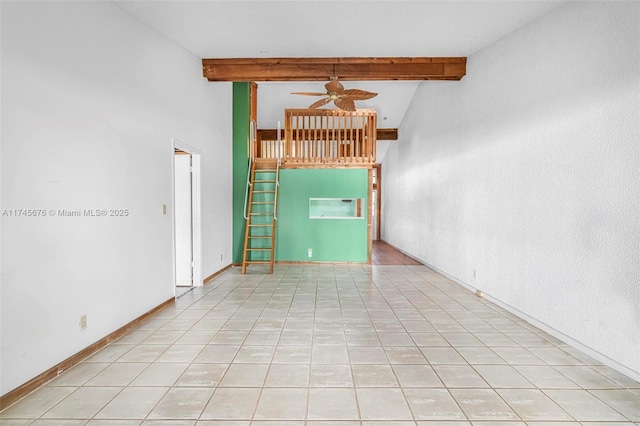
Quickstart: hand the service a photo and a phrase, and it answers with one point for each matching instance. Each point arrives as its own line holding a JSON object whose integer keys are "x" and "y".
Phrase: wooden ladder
{"x": 260, "y": 233}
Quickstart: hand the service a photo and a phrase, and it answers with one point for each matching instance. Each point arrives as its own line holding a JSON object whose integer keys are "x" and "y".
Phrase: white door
{"x": 183, "y": 220}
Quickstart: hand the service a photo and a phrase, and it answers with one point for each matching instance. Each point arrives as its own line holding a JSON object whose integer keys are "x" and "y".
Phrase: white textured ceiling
{"x": 230, "y": 29}
{"x": 323, "y": 28}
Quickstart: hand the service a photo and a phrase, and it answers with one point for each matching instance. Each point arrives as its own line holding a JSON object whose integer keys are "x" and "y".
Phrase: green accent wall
{"x": 332, "y": 240}
{"x": 241, "y": 119}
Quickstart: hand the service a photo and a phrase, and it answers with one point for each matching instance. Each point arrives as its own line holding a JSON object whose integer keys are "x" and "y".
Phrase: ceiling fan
{"x": 341, "y": 97}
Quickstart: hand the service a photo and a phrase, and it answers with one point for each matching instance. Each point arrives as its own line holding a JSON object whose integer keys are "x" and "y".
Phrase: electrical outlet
{"x": 310, "y": 252}
{"x": 83, "y": 322}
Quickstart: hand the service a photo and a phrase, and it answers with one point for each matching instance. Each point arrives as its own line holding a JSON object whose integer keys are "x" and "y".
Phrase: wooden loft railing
{"x": 323, "y": 138}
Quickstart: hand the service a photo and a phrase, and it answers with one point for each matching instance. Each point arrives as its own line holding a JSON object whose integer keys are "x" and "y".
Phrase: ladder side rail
{"x": 249, "y": 183}
{"x": 275, "y": 219}
{"x": 247, "y": 238}
{"x": 275, "y": 196}
{"x": 247, "y": 190}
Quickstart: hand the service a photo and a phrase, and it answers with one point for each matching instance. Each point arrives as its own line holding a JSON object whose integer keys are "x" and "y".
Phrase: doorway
{"x": 186, "y": 218}
{"x": 376, "y": 199}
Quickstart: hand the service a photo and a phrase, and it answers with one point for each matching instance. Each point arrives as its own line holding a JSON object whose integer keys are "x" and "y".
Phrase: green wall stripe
{"x": 241, "y": 118}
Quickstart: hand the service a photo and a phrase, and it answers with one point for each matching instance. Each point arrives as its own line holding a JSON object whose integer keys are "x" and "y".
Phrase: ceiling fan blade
{"x": 309, "y": 93}
{"x": 359, "y": 95}
{"x": 345, "y": 104}
{"x": 334, "y": 86}
{"x": 319, "y": 103}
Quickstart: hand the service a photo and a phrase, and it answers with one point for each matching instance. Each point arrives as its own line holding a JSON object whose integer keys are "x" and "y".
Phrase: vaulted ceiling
{"x": 322, "y": 28}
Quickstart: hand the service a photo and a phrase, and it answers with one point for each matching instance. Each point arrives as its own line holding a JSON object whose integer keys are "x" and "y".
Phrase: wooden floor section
{"x": 384, "y": 254}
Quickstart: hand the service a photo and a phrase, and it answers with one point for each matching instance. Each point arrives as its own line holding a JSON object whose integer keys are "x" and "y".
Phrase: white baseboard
{"x": 635, "y": 375}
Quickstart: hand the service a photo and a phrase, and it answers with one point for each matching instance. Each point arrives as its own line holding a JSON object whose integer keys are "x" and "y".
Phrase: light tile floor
{"x": 354, "y": 345}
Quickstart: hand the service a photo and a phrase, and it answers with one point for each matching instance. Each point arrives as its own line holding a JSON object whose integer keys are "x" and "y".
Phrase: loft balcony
{"x": 321, "y": 138}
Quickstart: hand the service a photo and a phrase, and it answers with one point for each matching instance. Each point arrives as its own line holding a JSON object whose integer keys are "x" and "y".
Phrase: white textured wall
{"x": 528, "y": 171}
{"x": 91, "y": 100}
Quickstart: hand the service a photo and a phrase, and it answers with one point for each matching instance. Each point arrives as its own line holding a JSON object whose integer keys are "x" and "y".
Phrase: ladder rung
{"x": 260, "y": 224}
{"x": 264, "y": 181}
{"x": 258, "y": 262}
{"x": 258, "y": 249}
{"x": 262, "y": 202}
{"x": 262, "y": 192}
{"x": 259, "y": 236}
{"x": 262, "y": 213}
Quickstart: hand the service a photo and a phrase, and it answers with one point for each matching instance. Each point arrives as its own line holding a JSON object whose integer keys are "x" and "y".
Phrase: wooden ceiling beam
{"x": 387, "y": 135}
{"x": 320, "y": 69}
{"x": 272, "y": 134}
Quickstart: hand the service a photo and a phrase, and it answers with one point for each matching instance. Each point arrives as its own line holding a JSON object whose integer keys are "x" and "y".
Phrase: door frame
{"x": 377, "y": 187}
{"x": 196, "y": 209}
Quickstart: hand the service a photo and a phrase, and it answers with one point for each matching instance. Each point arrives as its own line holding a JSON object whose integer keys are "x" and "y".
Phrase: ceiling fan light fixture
{"x": 336, "y": 93}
